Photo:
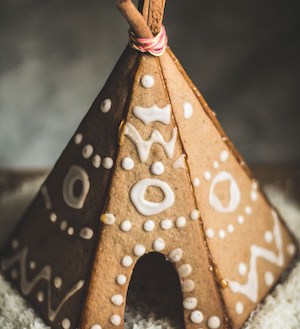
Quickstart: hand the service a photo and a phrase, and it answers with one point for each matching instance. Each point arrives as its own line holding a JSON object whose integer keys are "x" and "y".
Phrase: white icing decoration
{"x": 96, "y": 326}
{"x": 195, "y": 214}
{"x": 214, "y": 322}
{"x": 224, "y": 156}
{"x": 144, "y": 146}
{"x": 269, "y": 278}
{"x": 242, "y": 269}
{"x": 216, "y": 164}
{"x": 15, "y": 244}
{"x": 105, "y": 106}
{"x": 166, "y": 224}
{"x": 139, "y": 250}
{"x": 45, "y": 274}
{"x": 253, "y": 195}
{"x": 187, "y": 110}
{"x": 179, "y": 163}
{"x": 126, "y": 226}
{"x": 248, "y": 210}
{"x": 117, "y": 299}
{"x": 74, "y": 174}
{"x": 66, "y": 323}
{"x": 291, "y": 249}
{"x": 127, "y": 163}
{"x": 63, "y": 225}
{"x": 180, "y": 222}
{"x": 190, "y": 303}
{"x": 115, "y": 320}
{"x": 32, "y": 265}
{"x": 234, "y": 192}
{"x": 196, "y": 182}
{"x": 149, "y": 225}
{"x": 196, "y": 317}
{"x": 87, "y": 151}
{"x": 46, "y": 196}
{"x": 86, "y": 233}
{"x": 240, "y": 219}
{"x": 175, "y": 255}
{"x": 268, "y": 236}
{"x": 147, "y": 81}
{"x": 153, "y": 113}
{"x": 209, "y": 232}
{"x": 239, "y": 308}
{"x": 121, "y": 279}
{"x": 96, "y": 161}
{"x": 127, "y": 261}
{"x": 222, "y": 234}
{"x": 57, "y": 282}
{"x": 230, "y": 228}
{"x": 40, "y": 296}
{"x": 184, "y": 270}
{"x": 53, "y": 217}
{"x": 108, "y": 219}
{"x": 149, "y": 208}
{"x": 78, "y": 138}
{"x": 159, "y": 244}
{"x": 70, "y": 231}
{"x": 157, "y": 168}
{"x": 207, "y": 175}
{"x": 250, "y": 288}
{"x": 187, "y": 285}
{"x": 107, "y": 163}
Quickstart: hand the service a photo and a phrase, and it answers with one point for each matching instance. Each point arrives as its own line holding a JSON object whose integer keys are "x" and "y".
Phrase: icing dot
{"x": 14, "y": 274}
{"x": 105, "y": 106}
{"x": 216, "y": 164}
{"x": 213, "y": 322}
{"x": 159, "y": 244}
{"x": 53, "y": 217}
{"x": 121, "y": 279}
{"x": 139, "y": 250}
{"x": 290, "y": 249}
{"x": 63, "y": 225}
{"x": 115, "y": 320}
{"x": 239, "y": 308}
{"x": 196, "y": 317}
{"x": 207, "y": 175}
{"x": 268, "y": 236}
{"x": 209, "y": 232}
{"x": 40, "y": 296}
{"x": 107, "y": 163}
{"x": 157, "y": 168}
{"x": 96, "y": 326}
{"x": 224, "y": 156}
{"x": 117, "y": 299}
{"x": 196, "y": 181}
{"x": 175, "y": 255}
{"x": 166, "y": 224}
{"x": 195, "y": 214}
{"x": 242, "y": 269}
{"x": 187, "y": 110}
{"x": 57, "y": 282}
{"x": 108, "y": 219}
{"x": 254, "y": 185}
{"x": 269, "y": 278}
{"x": 87, "y": 151}
{"x": 149, "y": 225}
{"x": 147, "y": 81}
{"x": 222, "y": 234}
{"x": 187, "y": 285}
{"x": 230, "y": 228}
{"x": 248, "y": 210}
{"x": 66, "y": 323}
{"x": 32, "y": 265}
{"x": 78, "y": 138}
{"x": 86, "y": 233}
{"x": 240, "y": 219}
{"x": 70, "y": 231}
{"x": 126, "y": 226}
{"x": 184, "y": 270}
{"x": 15, "y": 243}
{"x": 180, "y": 222}
{"x": 127, "y": 163}
{"x": 253, "y": 196}
{"x": 96, "y": 161}
{"x": 190, "y": 303}
{"x": 127, "y": 261}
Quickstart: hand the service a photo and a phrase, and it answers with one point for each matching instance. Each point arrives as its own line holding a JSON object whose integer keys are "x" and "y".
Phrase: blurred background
{"x": 56, "y": 55}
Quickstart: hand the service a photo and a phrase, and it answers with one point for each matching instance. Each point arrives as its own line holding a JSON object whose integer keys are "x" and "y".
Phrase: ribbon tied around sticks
{"x": 155, "y": 46}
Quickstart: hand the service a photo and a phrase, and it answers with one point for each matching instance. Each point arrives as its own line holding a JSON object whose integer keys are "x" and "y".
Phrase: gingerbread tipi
{"x": 148, "y": 170}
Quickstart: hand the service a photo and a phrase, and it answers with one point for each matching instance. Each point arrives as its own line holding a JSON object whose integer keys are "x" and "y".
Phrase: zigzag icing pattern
{"x": 153, "y": 113}
{"x": 144, "y": 146}
{"x": 26, "y": 286}
{"x": 250, "y": 289}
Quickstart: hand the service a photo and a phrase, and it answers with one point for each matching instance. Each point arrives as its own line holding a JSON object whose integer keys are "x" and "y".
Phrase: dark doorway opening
{"x": 154, "y": 296}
